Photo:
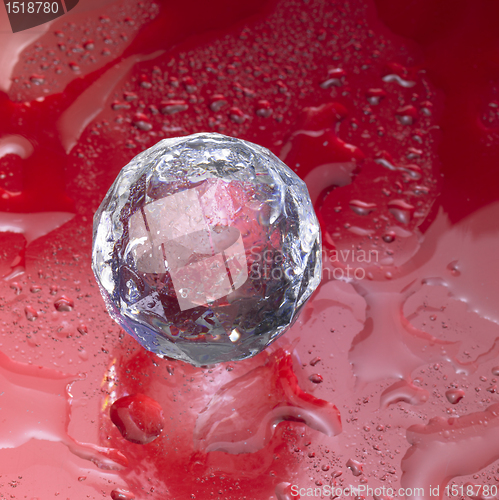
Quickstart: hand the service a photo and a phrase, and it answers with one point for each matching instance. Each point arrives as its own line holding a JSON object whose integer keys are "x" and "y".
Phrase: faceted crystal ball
{"x": 206, "y": 248}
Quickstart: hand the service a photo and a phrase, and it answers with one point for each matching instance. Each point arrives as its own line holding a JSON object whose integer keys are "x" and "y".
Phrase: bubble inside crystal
{"x": 205, "y": 248}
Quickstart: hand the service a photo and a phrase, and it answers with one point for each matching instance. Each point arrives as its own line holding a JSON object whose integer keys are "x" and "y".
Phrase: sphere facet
{"x": 205, "y": 248}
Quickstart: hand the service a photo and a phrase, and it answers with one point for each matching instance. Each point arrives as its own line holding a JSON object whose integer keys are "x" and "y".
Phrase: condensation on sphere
{"x": 206, "y": 248}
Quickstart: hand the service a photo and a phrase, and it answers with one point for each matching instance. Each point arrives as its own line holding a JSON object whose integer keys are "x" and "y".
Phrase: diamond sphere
{"x": 205, "y": 248}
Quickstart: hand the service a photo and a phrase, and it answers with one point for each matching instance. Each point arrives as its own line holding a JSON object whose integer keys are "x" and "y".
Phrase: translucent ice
{"x": 206, "y": 248}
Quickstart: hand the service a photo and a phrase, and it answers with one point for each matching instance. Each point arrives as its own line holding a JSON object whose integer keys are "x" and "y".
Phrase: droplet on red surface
{"x": 120, "y": 494}
{"x": 236, "y": 115}
{"x": 217, "y": 102}
{"x": 139, "y": 418}
{"x": 316, "y": 378}
{"x": 396, "y": 78}
{"x": 173, "y": 106}
{"x": 141, "y": 121}
{"x": 283, "y": 491}
{"x": 334, "y": 78}
{"x": 401, "y": 210}
{"x": 407, "y": 115}
{"x": 30, "y": 313}
{"x": 362, "y": 207}
{"x": 355, "y": 467}
{"x": 82, "y": 328}
{"x": 74, "y": 66}
{"x": 389, "y": 237}
{"x": 453, "y": 267}
{"x": 314, "y": 361}
{"x": 130, "y": 96}
{"x": 37, "y": 79}
{"x": 64, "y": 304}
{"x": 118, "y": 105}
{"x": 263, "y": 108}
{"x": 374, "y": 96}
{"x": 454, "y": 395}
{"x": 403, "y": 391}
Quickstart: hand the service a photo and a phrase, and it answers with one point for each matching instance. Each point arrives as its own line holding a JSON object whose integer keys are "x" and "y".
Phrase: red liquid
{"x": 405, "y": 322}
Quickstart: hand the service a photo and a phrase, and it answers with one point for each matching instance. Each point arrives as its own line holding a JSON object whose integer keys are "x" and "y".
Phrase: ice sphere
{"x": 205, "y": 248}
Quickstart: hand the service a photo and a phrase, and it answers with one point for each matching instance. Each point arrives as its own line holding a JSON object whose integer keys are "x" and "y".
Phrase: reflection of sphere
{"x": 205, "y": 248}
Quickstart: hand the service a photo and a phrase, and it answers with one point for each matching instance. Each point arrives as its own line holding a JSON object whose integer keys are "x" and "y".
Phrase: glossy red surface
{"x": 389, "y": 111}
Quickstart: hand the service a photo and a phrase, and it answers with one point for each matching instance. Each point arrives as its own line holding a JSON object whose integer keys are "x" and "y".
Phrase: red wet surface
{"x": 389, "y": 111}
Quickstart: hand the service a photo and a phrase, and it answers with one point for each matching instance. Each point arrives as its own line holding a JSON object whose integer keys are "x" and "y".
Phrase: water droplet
{"x": 413, "y": 172}
{"x": 120, "y": 494}
{"x": 334, "y": 78}
{"x": 217, "y": 102}
{"x": 236, "y": 115}
{"x": 361, "y": 207}
{"x": 395, "y": 78}
{"x": 130, "y": 96}
{"x": 407, "y": 115}
{"x": 355, "y": 467}
{"x": 401, "y": 210}
{"x": 139, "y": 418}
{"x": 118, "y": 105}
{"x": 453, "y": 268}
{"x": 37, "y": 79}
{"x": 314, "y": 361}
{"x": 144, "y": 82}
{"x": 173, "y": 106}
{"x": 263, "y": 109}
{"x": 316, "y": 378}
{"x": 64, "y": 304}
{"x": 283, "y": 492}
{"x": 189, "y": 84}
{"x": 141, "y": 121}
{"x": 426, "y": 108}
{"x": 389, "y": 237}
{"x": 405, "y": 392}
{"x": 374, "y": 96}
{"x": 82, "y": 329}
{"x": 30, "y": 313}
